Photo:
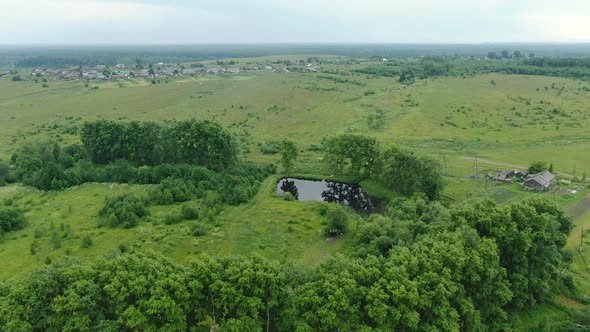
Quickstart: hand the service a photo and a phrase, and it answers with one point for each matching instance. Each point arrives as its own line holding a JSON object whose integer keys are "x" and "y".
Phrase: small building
{"x": 505, "y": 176}
{"x": 540, "y": 181}
{"x": 191, "y": 71}
{"x": 214, "y": 70}
{"x": 233, "y": 70}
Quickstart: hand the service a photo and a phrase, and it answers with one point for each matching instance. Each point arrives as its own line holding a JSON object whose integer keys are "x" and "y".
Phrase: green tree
{"x": 404, "y": 172}
{"x": 357, "y": 150}
{"x": 530, "y": 236}
{"x": 407, "y": 76}
{"x": 203, "y": 143}
{"x": 538, "y": 166}
{"x": 338, "y": 220}
{"x": 289, "y": 154}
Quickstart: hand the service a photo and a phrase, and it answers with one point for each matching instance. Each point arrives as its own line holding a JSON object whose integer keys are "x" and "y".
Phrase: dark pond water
{"x": 328, "y": 191}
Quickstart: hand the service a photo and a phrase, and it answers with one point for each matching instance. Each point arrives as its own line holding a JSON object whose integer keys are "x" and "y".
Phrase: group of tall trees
{"x": 398, "y": 169}
{"x": 431, "y": 269}
{"x": 358, "y": 151}
{"x": 204, "y": 143}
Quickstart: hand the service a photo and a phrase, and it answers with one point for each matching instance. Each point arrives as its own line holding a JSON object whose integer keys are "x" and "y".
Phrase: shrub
{"x": 288, "y": 196}
{"x": 16, "y": 78}
{"x": 337, "y": 220}
{"x": 11, "y": 219}
{"x": 189, "y": 212}
{"x": 123, "y": 210}
{"x": 86, "y": 242}
{"x": 271, "y": 147}
{"x": 173, "y": 190}
{"x": 198, "y": 230}
{"x": 172, "y": 218}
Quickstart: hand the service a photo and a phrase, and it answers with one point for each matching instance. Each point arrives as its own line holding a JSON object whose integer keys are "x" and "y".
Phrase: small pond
{"x": 351, "y": 195}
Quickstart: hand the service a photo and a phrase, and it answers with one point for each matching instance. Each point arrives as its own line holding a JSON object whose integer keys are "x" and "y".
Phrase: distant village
{"x": 159, "y": 70}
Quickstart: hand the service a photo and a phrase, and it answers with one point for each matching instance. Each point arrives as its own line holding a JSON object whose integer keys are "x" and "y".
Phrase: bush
{"x": 198, "y": 230}
{"x": 172, "y": 218}
{"x": 337, "y": 220}
{"x": 210, "y": 205}
{"x": 123, "y": 210}
{"x": 288, "y": 196}
{"x": 86, "y": 242}
{"x": 173, "y": 190}
{"x": 271, "y": 147}
{"x": 11, "y": 219}
{"x": 16, "y": 78}
{"x": 189, "y": 212}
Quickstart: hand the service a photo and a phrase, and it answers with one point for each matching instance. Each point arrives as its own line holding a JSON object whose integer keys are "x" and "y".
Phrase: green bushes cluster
{"x": 125, "y": 210}
{"x": 11, "y": 219}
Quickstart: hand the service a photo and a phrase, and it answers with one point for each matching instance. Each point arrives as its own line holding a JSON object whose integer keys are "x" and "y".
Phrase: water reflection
{"x": 289, "y": 187}
{"x": 329, "y": 191}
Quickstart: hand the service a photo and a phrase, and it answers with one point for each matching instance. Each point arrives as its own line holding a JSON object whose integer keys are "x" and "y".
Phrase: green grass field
{"x": 507, "y": 121}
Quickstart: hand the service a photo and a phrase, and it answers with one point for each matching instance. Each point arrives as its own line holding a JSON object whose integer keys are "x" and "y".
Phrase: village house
{"x": 540, "y": 181}
{"x": 233, "y": 70}
{"x": 191, "y": 71}
{"x": 313, "y": 67}
{"x": 214, "y": 70}
{"x": 505, "y": 176}
{"x": 508, "y": 175}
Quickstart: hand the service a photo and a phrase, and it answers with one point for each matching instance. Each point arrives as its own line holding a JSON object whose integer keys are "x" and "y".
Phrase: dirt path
{"x": 580, "y": 208}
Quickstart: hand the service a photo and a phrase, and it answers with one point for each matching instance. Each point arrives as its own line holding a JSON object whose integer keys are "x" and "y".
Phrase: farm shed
{"x": 505, "y": 176}
{"x": 540, "y": 181}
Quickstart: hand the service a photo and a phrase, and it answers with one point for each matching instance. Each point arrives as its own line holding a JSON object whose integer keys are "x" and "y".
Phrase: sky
{"x": 128, "y": 22}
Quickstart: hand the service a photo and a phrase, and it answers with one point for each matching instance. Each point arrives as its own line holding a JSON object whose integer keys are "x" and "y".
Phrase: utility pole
{"x": 574, "y": 175}
{"x": 581, "y": 238}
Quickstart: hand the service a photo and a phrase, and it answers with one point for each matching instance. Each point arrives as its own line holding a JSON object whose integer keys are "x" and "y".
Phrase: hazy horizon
{"x": 222, "y": 22}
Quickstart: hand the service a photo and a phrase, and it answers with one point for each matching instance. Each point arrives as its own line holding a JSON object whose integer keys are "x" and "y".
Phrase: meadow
{"x": 473, "y": 125}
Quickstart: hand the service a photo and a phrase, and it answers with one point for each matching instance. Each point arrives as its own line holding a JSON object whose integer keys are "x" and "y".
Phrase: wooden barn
{"x": 540, "y": 181}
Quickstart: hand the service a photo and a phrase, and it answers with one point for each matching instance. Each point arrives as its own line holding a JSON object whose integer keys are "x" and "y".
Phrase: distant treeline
{"x": 409, "y": 69}
{"x": 421, "y": 268}
{"x": 24, "y": 56}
